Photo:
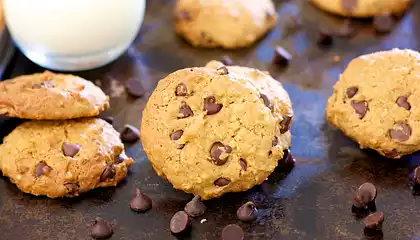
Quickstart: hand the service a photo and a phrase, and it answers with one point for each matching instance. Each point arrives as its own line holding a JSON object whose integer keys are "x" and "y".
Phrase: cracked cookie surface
{"x": 376, "y": 102}
{"x": 222, "y": 23}
{"x": 216, "y": 129}
{"x": 50, "y": 96}
{"x": 63, "y": 158}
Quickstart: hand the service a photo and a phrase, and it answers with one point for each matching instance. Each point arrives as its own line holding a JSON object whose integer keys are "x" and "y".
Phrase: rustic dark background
{"x": 310, "y": 202}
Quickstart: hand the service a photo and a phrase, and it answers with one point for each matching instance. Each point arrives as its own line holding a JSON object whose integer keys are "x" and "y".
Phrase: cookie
{"x": 63, "y": 158}
{"x": 50, "y": 96}
{"x": 376, "y": 102}
{"x": 227, "y": 24}
{"x": 216, "y": 129}
{"x": 363, "y": 8}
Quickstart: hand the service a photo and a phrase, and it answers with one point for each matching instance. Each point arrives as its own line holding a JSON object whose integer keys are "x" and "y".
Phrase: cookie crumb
{"x": 203, "y": 220}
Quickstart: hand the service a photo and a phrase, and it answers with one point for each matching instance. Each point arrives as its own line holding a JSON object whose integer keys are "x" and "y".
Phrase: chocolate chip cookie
{"x": 50, "y": 96}
{"x": 216, "y": 129}
{"x": 226, "y": 24}
{"x": 376, "y": 102}
{"x": 63, "y": 158}
{"x": 363, "y": 8}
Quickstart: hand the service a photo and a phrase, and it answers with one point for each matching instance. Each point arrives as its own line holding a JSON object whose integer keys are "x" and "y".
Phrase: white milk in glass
{"x": 73, "y": 34}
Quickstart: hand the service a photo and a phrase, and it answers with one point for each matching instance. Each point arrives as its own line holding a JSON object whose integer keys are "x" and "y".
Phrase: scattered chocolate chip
{"x": 281, "y": 56}
{"x": 70, "y": 150}
{"x": 416, "y": 181}
{"x": 374, "y": 220}
{"x": 364, "y": 199}
{"x": 180, "y": 222}
{"x": 118, "y": 159}
{"x": 211, "y": 106}
{"x": 401, "y": 132}
{"x": 72, "y": 188}
{"x": 226, "y": 60}
{"x": 285, "y": 124}
{"x": 243, "y": 164}
{"x": 403, "y": 102}
{"x": 140, "y": 202}
{"x": 275, "y": 141}
{"x": 351, "y": 91}
{"x": 41, "y": 169}
{"x": 185, "y": 111}
{"x": 108, "y": 173}
{"x": 195, "y": 207}
{"x": 361, "y": 107}
{"x": 247, "y": 212}
{"x": 324, "y": 38}
{"x": 181, "y": 90}
{"x": 221, "y": 182}
{"x": 223, "y": 70}
{"x": 383, "y": 23}
{"x": 232, "y": 232}
{"x": 266, "y": 101}
{"x": 182, "y": 15}
{"x": 101, "y": 229}
{"x": 176, "y": 135}
{"x": 219, "y": 153}
{"x": 134, "y": 87}
{"x": 288, "y": 161}
{"x": 109, "y": 119}
{"x": 348, "y": 5}
{"x": 130, "y": 134}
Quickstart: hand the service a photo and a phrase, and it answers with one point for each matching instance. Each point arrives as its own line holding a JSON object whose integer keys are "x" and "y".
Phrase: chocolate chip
{"x": 416, "y": 181}
{"x": 266, "y": 101}
{"x": 401, "y": 132}
{"x": 403, "y": 102}
{"x": 130, "y": 134}
{"x": 211, "y": 106}
{"x": 219, "y": 153}
{"x": 181, "y": 90}
{"x": 134, "y": 87}
{"x": 346, "y": 30}
{"x": 383, "y": 23}
{"x": 288, "y": 161}
{"x": 324, "y": 38}
{"x": 41, "y": 169}
{"x": 281, "y": 56}
{"x": 118, "y": 159}
{"x": 226, "y": 60}
{"x": 195, "y": 207}
{"x": 221, "y": 182}
{"x": 70, "y": 150}
{"x": 101, "y": 229}
{"x": 223, "y": 70}
{"x": 348, "y": 5}
{"x": 292, "y": 24}
{"x": 364, "y": 199}
{"x": 72, "y": 188}
{"x": 243, "y": 164}
{"x": 285, "y": 124}
{"x": 180, "y": 222}
{"x": 247, "y": 212}
{"x": 185, "y": 111}
{"x": 391, "y": 154}
{"x": 140, "y": 202}
{"x": 275, "y": 141}
{"x": 374, "y": 220}
{"x": 109, "y": 119}
{"x": 351, "y": 91}
{"x": 176, "y": 135}
{"x": 232, "y": 232}
{"x": 361, "y": 107}
{"x": 108, "y": 173}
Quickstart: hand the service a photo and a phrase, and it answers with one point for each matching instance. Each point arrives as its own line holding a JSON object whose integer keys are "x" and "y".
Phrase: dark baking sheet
{"x": 310, "y": 202}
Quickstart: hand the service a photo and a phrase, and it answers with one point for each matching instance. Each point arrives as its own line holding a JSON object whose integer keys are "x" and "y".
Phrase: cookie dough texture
{"x": 50, "y": 96}
{"x": 363, "y": 8}
{"x": 210, "y": 130}
{"x": 224, "y": 23}
{"x": 34, "y": 157}
{"x": 376, "y": 102}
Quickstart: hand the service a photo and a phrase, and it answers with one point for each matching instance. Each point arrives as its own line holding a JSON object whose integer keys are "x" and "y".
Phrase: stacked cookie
{"x": 53, "y": 155}
{"x": 216, "y": 129}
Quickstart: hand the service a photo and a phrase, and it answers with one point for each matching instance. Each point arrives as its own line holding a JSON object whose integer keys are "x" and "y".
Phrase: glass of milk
{"x": 73, "y": 35}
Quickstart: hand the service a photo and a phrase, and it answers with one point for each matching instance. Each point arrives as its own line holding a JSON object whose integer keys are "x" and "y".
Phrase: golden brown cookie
{"x": 63, "y": 158}
{"x": 376, "y": 102}
{"x": 363, "y": 8}
{"x": 50, "y": 96}
{"x": 216, "y": 129}
{"x": 226, "y": 24}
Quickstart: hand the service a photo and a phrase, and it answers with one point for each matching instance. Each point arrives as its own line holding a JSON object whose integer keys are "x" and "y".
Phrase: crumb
{"x": 336, "y": 59}
{"x": 203, "y": 220}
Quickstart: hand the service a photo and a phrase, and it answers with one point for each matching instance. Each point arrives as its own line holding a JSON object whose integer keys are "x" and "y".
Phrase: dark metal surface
{"x": 310, "y": 202}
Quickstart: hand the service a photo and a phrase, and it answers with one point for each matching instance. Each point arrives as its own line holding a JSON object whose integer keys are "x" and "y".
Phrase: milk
{"x": 73, "y": 34}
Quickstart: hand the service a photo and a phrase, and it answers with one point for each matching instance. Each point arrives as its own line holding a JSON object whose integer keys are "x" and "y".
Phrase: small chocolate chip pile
{"x": 364, "y": 199}
{"x": 101, "y": 229}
